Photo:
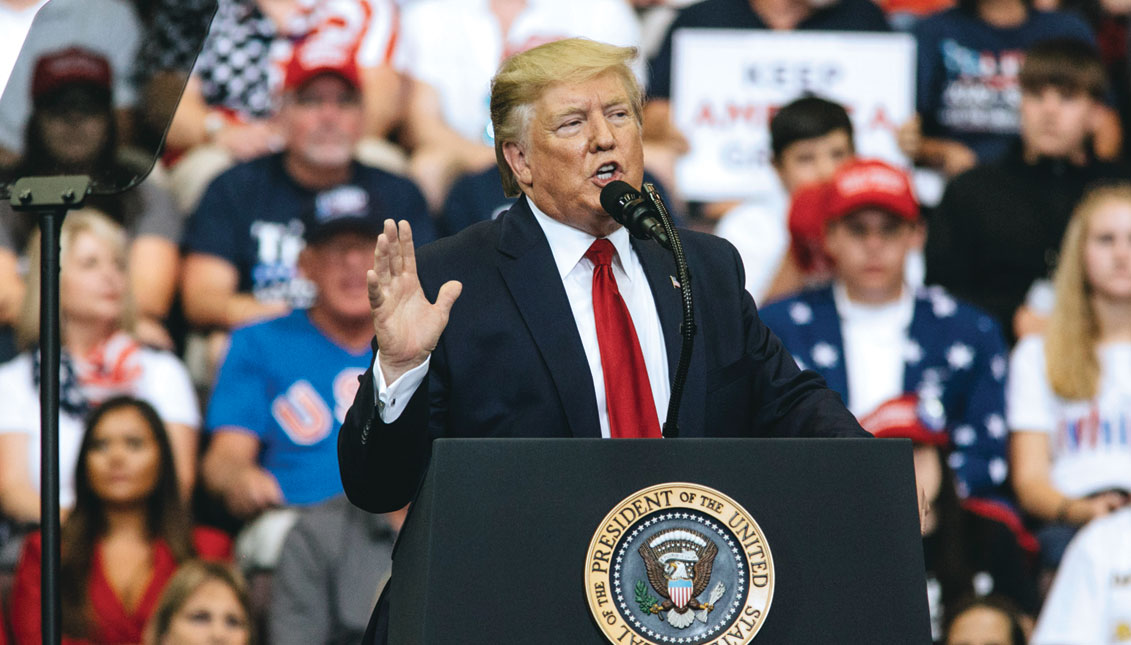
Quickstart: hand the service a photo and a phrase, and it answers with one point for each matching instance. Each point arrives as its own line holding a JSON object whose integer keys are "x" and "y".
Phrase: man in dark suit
{"x": 516, "y": 356}
{"x": 526, "y": 352}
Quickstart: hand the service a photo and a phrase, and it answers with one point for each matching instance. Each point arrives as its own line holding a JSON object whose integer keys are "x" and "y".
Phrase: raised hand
{"x": 406, "y": 324}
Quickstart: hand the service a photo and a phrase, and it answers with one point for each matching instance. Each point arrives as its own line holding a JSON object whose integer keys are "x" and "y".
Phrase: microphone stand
{"x": 49, "y": 198}
{"x": 687, "y": 327}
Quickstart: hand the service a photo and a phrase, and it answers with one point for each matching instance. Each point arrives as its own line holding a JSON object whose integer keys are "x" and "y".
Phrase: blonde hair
{"x": 190, "y": 576}
{"x": 1072, "y": 367}
{"x": 523, "y": 78}
{"x": 85, "y": 220}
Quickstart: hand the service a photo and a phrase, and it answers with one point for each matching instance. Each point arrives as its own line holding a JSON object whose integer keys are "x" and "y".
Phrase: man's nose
{"x": 601, "y": 137}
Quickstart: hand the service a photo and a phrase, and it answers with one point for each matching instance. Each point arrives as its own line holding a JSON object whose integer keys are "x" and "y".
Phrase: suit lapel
{"x": 660, "y": 269}
{"x": 528, "y": 269}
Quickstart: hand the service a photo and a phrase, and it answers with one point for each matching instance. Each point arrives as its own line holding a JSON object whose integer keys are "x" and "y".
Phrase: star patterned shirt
{"x": 953, "y": 359}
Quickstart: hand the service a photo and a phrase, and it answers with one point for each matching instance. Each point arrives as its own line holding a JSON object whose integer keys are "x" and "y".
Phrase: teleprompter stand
{"x": 494, "y": 550}
{"x": 49, "y": 198}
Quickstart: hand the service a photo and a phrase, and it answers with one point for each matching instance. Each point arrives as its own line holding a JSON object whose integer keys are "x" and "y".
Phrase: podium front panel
{"x": 494, "y": 550}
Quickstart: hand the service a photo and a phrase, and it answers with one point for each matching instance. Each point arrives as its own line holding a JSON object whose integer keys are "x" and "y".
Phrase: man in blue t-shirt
{"x": 286, "y": 383}
{"x": 243, "y": 241}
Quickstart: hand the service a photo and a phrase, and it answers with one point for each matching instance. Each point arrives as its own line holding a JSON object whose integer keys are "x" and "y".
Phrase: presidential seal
{"x": 679, "y": 564}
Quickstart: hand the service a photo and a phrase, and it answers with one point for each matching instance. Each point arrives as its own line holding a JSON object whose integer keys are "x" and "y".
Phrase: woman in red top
{"x": 125, "y": 537}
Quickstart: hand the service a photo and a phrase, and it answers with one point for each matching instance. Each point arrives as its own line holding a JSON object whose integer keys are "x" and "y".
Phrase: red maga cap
{"x": 868, "y": 183}
{"x": 858, "y": 184}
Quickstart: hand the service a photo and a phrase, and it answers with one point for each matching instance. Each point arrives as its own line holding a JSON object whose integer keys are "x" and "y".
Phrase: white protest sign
{"x": 727, "y": 84}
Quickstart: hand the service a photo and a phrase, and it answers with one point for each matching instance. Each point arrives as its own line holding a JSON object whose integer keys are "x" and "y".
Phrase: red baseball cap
{"x": 869, "y": 183}
{"x": 807, "y": 224}
{"x": 68, "y": 67}
{"x": 900, "y": 418}
{"x": 312, "y": 58}
{"x": 858, "y": 184}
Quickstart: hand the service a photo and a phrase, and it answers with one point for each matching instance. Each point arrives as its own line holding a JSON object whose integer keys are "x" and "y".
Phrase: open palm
{"x": 406, "y": 324}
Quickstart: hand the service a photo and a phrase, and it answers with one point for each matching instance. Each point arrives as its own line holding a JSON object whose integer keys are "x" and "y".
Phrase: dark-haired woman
{"x": 125, "y": 537}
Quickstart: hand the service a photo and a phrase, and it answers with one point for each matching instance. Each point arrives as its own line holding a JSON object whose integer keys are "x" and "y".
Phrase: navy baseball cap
{"x": 342, "y": 209}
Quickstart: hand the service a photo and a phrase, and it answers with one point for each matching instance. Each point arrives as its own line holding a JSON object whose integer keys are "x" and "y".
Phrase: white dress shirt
{"x": 568, "y": 246}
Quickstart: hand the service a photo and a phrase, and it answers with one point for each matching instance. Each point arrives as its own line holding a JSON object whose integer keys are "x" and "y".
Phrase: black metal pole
{"x": 49, "y": 198}
{"x": 50, "y": 222}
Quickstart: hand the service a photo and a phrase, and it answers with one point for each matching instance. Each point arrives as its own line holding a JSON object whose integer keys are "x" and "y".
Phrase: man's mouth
{"x": 607, "y": 173}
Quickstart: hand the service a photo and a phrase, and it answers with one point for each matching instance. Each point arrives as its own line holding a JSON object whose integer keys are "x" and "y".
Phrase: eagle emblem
{"x": 678, "y": 564}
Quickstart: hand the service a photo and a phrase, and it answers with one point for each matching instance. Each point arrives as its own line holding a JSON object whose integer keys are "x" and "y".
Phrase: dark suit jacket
{"x": 510, "y": 362}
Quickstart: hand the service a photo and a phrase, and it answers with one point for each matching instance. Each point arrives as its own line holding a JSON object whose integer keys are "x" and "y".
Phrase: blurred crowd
{"x": 214, "y": 318}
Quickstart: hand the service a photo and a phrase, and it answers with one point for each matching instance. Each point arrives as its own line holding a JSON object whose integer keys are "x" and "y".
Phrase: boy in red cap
{"x": 888, "y": 349}
{"x": 910, "y": 363}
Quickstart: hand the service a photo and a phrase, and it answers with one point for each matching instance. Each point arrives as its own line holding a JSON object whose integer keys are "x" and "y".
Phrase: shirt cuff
{"x": 392, "y": 399}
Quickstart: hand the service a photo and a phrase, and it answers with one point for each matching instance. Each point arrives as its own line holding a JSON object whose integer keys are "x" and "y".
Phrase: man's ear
{"x": 516, "y": 159}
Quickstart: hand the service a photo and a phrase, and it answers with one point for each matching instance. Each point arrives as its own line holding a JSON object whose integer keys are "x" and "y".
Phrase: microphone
{"x": 634, "y": 212}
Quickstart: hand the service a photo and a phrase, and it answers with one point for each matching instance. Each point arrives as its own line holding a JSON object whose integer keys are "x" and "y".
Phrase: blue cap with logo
{"x": 342, "y": 209}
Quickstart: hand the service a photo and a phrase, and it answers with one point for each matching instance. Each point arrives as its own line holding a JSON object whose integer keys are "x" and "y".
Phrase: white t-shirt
{"x": 874, "y": 340}
{"x": 456, "y": 46}
{"x": 1090, "y": 441}
{"x": 757, "y": 229}
{"x": 1090, "y": 600}
{"x": 164, "y": 383}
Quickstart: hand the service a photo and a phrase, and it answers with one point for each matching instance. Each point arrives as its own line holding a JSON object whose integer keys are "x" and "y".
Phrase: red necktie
{"x": 628, "y": 394}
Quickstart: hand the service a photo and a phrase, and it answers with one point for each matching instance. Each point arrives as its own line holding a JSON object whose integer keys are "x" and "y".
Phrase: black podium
{"x": 494, "y": 550}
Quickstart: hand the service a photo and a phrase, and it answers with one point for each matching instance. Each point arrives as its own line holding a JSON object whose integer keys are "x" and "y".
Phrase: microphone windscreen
{"x": 615, "y": 196}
